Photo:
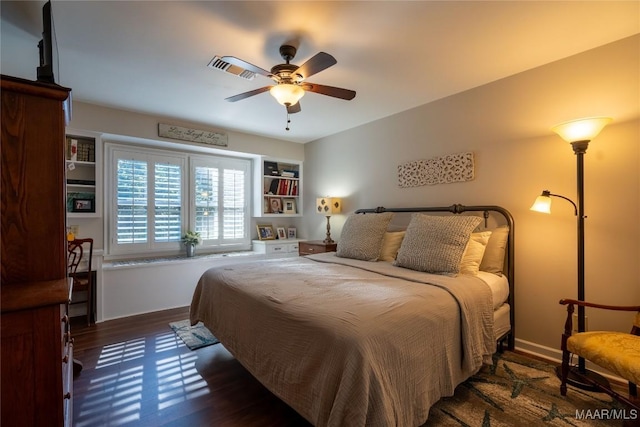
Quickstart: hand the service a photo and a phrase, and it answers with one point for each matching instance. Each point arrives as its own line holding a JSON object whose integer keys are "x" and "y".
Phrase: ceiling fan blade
{"x": 336, "y": 92}
{"x": 321, "y": 61}
{"x": 295, "y": 108}
{"x": 247, "y": 94}
{"x": 247, "y": 66}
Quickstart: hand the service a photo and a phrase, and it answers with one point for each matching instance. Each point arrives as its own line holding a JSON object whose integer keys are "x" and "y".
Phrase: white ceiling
{"x": 152, "y": 57}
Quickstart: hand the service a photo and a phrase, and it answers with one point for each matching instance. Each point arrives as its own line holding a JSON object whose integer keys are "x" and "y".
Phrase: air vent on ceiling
{"x": 218, "y": 64}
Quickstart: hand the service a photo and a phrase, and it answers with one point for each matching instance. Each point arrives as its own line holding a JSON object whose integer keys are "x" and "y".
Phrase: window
{"x": 156, "y": 199}
{"x": 220, "y": 203}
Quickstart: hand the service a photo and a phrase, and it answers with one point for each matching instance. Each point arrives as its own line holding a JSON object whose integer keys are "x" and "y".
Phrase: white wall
{"x": 507, "y": 125}
{"x": 143, "y": 288}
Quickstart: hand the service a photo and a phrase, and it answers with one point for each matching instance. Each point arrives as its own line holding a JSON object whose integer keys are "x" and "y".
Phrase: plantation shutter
{"x": 155, "y": 200}
{"x": 234, "y": 204}
{"x": 221, "y": 200}
{"x": 131, "y": 196}
{"x": 167, "y": 202}
{"x": 206, "y": 202}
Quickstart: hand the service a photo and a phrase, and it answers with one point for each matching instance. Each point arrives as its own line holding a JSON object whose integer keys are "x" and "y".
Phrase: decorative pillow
{"x": 390, "y": 245}
{"x": 362, "y": 235}
{"x": 493, "y": 259}
{"x": 435, "y": 244}
{"x": 473, "y": 253}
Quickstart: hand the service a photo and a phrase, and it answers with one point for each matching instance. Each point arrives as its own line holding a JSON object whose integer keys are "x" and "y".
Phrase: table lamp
{"x": 328, "y": 206}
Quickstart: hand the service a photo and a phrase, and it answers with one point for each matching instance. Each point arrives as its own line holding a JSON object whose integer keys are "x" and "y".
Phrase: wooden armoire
{"x": 36, "y": 350}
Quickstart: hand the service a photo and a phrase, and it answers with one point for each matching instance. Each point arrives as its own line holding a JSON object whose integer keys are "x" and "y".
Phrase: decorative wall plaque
{"x": 437, "y": 170}
{"x": 193, "y": 135}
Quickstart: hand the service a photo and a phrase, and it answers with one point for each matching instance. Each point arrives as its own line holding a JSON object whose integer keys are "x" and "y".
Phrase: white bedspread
{"x": 373, "y": 345}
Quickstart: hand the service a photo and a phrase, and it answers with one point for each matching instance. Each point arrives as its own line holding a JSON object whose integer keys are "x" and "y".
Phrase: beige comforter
{"x": 373, "y": 345}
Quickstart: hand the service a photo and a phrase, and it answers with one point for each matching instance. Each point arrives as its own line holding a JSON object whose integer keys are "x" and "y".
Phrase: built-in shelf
{"x": 83, "y": 174}
{"x": 278, "y": 188}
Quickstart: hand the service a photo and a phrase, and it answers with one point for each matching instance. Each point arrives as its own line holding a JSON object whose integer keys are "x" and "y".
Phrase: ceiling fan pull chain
{"x": 288, "y": 121}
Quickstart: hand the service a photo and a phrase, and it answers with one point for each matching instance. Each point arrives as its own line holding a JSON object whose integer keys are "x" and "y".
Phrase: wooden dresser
{"x": 36, "y": 350}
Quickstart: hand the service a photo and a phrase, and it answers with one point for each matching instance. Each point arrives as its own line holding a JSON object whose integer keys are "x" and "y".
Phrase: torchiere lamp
{"x": 328, "y": 206}
{"x": 578, "y": 133}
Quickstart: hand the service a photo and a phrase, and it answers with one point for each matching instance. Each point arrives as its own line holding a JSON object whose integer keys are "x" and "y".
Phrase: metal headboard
{"x": 458, "y": 209}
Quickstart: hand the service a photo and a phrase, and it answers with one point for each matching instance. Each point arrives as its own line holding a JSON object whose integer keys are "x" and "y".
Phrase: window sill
{"x": 156, "y": 261}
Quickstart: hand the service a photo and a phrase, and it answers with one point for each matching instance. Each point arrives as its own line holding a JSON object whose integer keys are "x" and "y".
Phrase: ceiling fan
{"x": 290, "y": 80}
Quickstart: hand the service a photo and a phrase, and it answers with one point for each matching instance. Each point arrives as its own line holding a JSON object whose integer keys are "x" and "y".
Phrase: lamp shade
{"x": 287, "y": 94}
{"x": 581, "y": 129}
{"x": 328, "y": 205}
{"x": 542, "y": 204}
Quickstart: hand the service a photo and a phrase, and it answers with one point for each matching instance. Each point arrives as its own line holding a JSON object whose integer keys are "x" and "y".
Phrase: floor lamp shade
{"x": 328, "y": 206}
{"x": 581, "y": 129}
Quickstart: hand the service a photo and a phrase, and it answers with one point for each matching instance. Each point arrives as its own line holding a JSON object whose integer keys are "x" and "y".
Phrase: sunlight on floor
{"x": 169, "y": 341}
{"x": 112, "y": 399}
{"x": 121, "y": 352}
{"x": 125, "y": 388}
{"x": 178, "y": 380}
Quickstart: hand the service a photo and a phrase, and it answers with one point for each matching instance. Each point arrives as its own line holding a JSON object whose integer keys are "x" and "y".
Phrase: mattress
{"x": 499, "y": 286}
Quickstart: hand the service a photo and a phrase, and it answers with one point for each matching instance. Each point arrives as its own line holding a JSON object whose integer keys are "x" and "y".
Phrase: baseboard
{"x": 554, "y": 356}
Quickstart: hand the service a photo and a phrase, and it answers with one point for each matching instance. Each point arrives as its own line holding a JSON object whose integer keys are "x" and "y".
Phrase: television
{"x": 46, "y": 46}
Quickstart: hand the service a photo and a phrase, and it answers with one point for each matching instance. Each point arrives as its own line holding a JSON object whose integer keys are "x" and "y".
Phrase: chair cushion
{"x": 618, "y": 352}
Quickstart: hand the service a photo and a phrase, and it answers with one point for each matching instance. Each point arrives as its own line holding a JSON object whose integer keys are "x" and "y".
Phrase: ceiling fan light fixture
{"x": 287, "y": 94}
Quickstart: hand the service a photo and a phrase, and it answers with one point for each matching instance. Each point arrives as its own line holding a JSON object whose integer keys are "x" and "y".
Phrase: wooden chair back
{"x": 80, "y": 253}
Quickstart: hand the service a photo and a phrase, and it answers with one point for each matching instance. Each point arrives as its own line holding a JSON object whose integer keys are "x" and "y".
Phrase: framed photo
{"x": 265, "y": 232}
{"x": 282, "y": 233}
{"x": 289, "y": 206}
{"x": 275, "y": 205}
{"x": 82, "y": 205}
{"x": 292, "y": 232}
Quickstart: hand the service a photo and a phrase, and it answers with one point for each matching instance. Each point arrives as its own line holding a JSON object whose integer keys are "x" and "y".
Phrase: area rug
{"x": 194, "y": 337}
{"x": 520, "y": 391}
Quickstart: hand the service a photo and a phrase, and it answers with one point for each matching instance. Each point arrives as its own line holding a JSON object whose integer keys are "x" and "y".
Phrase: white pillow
{"x": 493, "y": 259}
{"x": 473, "y": 253}
{"x": 390, "y": 245}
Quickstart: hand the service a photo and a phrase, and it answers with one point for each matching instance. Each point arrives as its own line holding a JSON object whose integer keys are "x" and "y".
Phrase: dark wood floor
{"x": 138, "y": 373}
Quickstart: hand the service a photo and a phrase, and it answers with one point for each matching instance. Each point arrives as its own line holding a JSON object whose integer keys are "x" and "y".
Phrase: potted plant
{"x": 190, "y": 240}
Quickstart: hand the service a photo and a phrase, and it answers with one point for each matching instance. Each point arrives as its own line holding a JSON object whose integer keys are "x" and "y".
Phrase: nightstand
{"x": 316, "y": 247}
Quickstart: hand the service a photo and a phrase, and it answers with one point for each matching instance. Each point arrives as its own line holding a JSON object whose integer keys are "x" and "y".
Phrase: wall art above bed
{"x": 437, "y": 170}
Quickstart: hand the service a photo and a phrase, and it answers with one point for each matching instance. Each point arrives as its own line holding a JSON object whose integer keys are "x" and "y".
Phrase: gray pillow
{"x": 362, "y": 235}
{"x": 435, "y": 244}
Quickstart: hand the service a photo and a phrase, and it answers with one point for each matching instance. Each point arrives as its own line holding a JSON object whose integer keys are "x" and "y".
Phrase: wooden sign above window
{"x": 193, "y": 135}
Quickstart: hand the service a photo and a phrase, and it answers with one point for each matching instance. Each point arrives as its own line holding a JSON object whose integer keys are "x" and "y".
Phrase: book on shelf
{"x": 282, "y": 187}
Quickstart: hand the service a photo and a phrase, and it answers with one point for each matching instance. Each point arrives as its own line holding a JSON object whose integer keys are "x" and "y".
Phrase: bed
{"x": 377, "y": 332}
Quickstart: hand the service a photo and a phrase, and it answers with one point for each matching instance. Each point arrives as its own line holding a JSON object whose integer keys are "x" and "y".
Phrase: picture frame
{"x": 82, "y": 205}
{"x": 265, "y": 232}
{"x": 289, "y": 206}
{"x": 291, "y": 232}
{"x": 282, "y": 233}
{"x": 275, "y": 205}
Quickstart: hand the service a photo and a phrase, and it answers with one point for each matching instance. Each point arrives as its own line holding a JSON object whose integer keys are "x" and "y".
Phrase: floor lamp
{"x": 578, "y": 133}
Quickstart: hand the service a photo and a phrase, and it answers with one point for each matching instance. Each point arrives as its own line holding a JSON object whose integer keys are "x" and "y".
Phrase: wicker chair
{"x": 618, "y": 352}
